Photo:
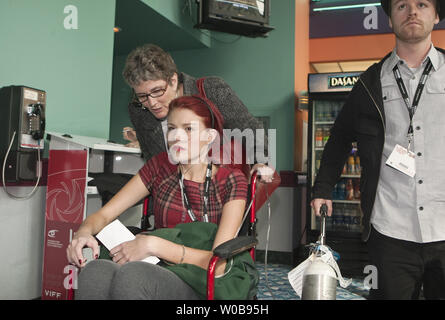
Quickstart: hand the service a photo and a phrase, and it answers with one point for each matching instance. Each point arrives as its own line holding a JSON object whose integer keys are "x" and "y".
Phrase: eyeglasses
{"x": 156, "y": 93}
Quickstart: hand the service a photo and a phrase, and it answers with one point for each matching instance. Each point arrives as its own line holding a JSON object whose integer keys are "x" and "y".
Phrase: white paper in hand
{"x": 116, "y": 233}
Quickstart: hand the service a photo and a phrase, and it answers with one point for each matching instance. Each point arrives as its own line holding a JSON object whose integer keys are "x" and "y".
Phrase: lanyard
{"x": 206, "y": 194}
{"x": 404, "y": 92}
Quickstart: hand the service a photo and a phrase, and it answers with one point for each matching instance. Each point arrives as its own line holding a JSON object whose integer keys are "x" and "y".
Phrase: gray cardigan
{"x": 235, "y": 113}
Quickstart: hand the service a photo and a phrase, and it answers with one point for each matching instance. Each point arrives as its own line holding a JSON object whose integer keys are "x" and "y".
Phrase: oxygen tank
{"x": 319, "y": 282}
{"x": 320, "y": 279}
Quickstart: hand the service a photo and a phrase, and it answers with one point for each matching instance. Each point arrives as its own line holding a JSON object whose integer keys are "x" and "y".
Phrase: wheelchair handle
{"x": 253, "y": 180}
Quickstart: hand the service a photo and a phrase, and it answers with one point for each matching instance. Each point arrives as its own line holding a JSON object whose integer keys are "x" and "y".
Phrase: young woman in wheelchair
{"x": 178, "y": 181}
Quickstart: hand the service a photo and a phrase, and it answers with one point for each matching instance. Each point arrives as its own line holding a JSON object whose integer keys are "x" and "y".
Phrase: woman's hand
{"x": 74, "y": 249}
{"x": 265, "y": 172}
{"x": 129, "y": 134}
{"x": 134, "y": 250}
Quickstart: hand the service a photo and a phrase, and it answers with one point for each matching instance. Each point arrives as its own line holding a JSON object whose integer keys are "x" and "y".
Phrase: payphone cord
{"x": 39, "y": 173}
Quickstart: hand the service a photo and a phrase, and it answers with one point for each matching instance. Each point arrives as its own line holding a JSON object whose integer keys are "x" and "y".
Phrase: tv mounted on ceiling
{"x": 243, "y": 17}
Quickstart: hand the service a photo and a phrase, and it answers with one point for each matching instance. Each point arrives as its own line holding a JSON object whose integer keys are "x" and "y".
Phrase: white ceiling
{"x": 343, "y": 66}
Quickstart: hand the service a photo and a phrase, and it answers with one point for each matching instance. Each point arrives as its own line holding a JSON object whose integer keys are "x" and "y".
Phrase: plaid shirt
{"x": 161, "y": 179}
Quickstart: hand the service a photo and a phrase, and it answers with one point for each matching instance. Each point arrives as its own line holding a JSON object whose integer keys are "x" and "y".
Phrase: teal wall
{"x": 120, "y": 97}
{"x": 260, "y": 70}
{"x": 180, "y": 14}
{"x": 74, "y": 67}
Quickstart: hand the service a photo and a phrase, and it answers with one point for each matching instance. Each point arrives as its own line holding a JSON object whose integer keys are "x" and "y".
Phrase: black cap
{"x": 440, "y": 7}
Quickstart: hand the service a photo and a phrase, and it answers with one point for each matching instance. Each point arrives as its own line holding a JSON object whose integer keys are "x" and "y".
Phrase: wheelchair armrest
{"x": 232, "y": 247}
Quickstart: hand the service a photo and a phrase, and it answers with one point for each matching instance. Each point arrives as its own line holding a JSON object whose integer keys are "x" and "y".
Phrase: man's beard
{"x": 412, "y": 34}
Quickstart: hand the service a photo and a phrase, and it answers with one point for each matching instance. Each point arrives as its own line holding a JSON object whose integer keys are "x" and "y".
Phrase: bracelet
{"x": 183, "y": 255}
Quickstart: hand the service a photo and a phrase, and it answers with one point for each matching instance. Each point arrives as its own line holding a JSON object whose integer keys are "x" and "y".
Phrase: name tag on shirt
{"x": 403, "y": 160}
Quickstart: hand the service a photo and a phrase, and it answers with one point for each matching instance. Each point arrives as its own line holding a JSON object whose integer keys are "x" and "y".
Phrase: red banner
{"x": 65, "y": 205}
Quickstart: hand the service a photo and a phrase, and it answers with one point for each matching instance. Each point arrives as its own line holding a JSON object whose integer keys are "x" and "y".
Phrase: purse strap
{"x": 200, "y": 85}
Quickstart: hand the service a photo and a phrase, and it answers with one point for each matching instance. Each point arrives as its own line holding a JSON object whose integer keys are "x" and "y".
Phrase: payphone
{"x": 22, "y": 127}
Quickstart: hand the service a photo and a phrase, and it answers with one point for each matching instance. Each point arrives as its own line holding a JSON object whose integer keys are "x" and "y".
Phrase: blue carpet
{"x": 277, "y": 286}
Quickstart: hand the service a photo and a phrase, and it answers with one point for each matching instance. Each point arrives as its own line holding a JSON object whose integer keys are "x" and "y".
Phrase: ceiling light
{"x": 350, "y": 6}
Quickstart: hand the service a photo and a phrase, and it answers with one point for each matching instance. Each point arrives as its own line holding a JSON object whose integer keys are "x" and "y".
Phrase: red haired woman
{"x": 186, "y": 186}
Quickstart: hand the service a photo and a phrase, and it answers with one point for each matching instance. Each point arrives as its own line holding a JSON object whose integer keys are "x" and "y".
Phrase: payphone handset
{"x": 36, "y": 121}
{"x": 33, "y": 119}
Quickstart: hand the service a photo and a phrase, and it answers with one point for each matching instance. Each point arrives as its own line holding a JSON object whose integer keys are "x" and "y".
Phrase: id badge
{"x": 403, "y": 160}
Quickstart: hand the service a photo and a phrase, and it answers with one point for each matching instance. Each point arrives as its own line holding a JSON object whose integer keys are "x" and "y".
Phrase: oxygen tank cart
{"x": 320, "y": 278}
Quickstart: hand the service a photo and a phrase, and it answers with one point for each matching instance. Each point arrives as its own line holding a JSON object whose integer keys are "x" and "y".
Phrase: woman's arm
{"x": 144, "y": 246}
{"x": 133, "y": 191}
{"x": 231, "y": 219}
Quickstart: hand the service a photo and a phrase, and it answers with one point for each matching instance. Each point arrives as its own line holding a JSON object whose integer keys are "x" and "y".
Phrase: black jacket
{"x": 362, "y": 119}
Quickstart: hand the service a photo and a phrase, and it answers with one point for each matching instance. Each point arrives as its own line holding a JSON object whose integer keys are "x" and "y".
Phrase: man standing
{"x": 396, "y": 113}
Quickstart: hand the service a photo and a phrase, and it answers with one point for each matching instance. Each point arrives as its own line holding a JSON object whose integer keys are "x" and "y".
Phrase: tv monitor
{"x": 243, "y": 17}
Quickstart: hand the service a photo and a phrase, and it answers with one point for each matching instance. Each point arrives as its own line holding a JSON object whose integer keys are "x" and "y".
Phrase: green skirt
{"x": 240, "y": 279}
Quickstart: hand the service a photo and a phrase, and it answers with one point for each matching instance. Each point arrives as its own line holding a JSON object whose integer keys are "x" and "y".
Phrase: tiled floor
{"x": 277, "y": 286}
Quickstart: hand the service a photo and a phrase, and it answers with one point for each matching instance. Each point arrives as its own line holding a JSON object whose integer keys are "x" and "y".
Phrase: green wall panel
{"x": 74, "y": 66}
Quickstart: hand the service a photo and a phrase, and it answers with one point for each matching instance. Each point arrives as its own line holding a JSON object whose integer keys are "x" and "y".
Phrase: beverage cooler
{"x": 327, "y": 94}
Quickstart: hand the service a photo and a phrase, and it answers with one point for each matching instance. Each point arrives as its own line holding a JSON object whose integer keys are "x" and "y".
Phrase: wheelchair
{"x": 228, "y": 249}
{"x": 246, "y": 239}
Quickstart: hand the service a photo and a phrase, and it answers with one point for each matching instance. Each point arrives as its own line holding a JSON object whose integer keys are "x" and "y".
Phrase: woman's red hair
{"x": 204, "y": 108}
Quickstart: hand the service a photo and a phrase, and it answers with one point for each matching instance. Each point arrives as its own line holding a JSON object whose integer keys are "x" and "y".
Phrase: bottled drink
{"x": 318, "y": 155}
{"x": 334, "y": 110}
{"x": 358, "y": 169}
{"x": 335, "y": 193}
{"x": 318, "y": 111}
{"x": 354, "y": 147}
{"x": 326, "y": 134}
{"x": 318, "y": 137}
{"x": 334, "y": 206}
{"x": 347, "y": 220}
{"x": 349, "y": 190}
{"x": 341, "y": 190}
{"x": 321, "y": 111}
{"x": 337, "y": 108}
{"x": 351, "y": 164}
{"x": 337, "y": 217}
{"x": 356, "y": 223}
{"x": 357, "y": 189}
{"x": 326, "y": 111}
